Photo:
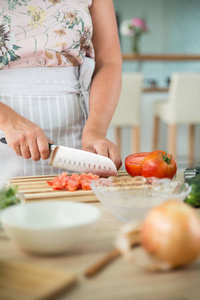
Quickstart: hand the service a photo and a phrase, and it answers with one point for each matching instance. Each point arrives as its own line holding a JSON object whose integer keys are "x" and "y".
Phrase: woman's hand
{"x": 23, "y": 136}
{"x": 96, "y": 142}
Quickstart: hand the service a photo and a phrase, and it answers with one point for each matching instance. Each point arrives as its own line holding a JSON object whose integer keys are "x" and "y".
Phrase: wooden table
{"x": 119, "y": 280}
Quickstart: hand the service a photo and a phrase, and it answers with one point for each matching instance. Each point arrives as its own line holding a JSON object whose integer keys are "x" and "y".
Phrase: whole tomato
{"x": 158, "y": 164}
{"x": 133, "y": 162}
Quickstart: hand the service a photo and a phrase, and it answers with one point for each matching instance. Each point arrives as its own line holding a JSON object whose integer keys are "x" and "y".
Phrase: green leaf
{"x": 12, "y": 55}
{"x": 76, "y": 46}
{"x": 5, "y": 59}
{"x": 82, "y": 24}
{"x": 15, "y": 47}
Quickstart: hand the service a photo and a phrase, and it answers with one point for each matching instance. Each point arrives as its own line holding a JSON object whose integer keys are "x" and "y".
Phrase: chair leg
{"x": 135, "y": 133}
{"x": 172, "y": 140}
{"x": 191, "y": 144}
{"x": 118, "y": 139}
{"x": 156, "y": 124}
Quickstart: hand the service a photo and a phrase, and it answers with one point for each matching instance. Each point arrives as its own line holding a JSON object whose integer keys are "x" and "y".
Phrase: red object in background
{"x": 159, "y": 164}
{"x": 133, "y": 163}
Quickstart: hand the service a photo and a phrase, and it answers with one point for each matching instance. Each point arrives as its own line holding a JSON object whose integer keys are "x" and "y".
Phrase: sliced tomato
{"x": 133, "y": 163}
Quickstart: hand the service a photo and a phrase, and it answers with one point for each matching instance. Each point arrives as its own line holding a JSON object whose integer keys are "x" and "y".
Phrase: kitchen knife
{"x": 79, "y": 160}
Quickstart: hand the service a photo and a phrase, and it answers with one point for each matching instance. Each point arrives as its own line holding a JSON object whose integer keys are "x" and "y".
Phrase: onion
{"x": 171, "y": 233}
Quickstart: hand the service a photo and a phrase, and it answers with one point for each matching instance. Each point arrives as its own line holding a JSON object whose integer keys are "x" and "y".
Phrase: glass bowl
{"x": 130, "y": 198}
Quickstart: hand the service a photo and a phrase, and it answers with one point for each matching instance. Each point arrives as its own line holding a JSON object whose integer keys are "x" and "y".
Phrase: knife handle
{"x": 3, "y": 140}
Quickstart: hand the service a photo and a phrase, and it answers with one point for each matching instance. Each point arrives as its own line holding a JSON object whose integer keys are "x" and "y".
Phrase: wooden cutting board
{"x": 22, "y": 281}
{"x": 36, "y": 188}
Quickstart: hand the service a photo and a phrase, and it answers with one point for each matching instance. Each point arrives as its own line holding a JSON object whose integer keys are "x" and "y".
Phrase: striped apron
{"x": 54, "y": 98}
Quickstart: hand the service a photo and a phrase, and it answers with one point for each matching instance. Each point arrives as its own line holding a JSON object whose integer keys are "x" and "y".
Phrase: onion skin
{"x": 171, "y": 233}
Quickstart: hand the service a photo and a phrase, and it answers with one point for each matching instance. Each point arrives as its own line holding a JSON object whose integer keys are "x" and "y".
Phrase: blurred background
{"x": 173, "y": 28}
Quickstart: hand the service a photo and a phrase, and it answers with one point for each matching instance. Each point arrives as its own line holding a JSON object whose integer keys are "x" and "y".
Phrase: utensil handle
{"x": 98, "y": 266}
{"x": 3, "y": 140}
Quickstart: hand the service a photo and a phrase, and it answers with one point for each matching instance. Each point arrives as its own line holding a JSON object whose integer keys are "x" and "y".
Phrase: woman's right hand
{"x": 24, "y": 137}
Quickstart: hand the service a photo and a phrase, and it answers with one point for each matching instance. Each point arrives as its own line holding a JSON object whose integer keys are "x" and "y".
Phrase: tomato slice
{"x": 133, "y": 163}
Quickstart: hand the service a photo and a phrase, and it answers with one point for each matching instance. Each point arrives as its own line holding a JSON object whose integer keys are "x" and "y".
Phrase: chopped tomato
{"x": 86, "y": 184}
{"x": 50, "y": 182}
{"x": 73, "y": 182}
{"x": 72, "y": 185}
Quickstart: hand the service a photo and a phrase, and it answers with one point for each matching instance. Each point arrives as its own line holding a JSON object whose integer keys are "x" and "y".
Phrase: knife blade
{"x": 79, "y": 160}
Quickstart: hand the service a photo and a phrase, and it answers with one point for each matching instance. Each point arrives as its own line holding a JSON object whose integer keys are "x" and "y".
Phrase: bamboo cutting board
{"x": 36, "y": 188}
{"x": 22, "y": 281}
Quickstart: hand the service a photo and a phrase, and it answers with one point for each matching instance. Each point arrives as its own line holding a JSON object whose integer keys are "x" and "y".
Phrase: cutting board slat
{"x": 36, "y": 188}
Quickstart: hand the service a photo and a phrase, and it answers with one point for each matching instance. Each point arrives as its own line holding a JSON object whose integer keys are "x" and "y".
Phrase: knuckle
{"x": 103, "y": 144}
{"x": 38, "y": 131}
{"x": 14, "y": 143}
{"x": 21, "y": 139}
{"x": 30, "y": 135}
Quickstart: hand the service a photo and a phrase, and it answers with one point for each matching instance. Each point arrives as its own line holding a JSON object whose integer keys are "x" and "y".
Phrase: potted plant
{"x": 134, "y": 29}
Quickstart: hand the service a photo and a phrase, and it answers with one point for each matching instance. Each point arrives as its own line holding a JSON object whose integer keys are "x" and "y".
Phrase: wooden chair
{"x": 181, "y": 107}
{"x": 127, "y": 113}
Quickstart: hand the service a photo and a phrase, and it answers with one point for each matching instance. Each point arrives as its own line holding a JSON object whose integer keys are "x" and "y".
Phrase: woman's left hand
{"x": 94, "y": 141}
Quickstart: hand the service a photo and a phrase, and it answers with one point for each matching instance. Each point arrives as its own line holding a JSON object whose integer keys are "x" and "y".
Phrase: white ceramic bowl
{"x": 49, "y": 227}
{"x": 130, "y": 198}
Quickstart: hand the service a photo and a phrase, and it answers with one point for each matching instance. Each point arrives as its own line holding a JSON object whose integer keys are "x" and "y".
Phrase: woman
{"x": 38, "y": 104}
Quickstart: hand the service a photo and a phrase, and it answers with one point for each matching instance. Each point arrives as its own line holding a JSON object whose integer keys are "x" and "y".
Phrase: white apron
{"x": 54, "y": 98}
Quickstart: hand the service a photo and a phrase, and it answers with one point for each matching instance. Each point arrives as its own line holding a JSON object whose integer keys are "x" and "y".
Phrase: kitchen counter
{"x": 119, "y": 280}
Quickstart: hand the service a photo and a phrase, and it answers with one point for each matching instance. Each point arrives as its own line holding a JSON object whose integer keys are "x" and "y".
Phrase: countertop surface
{"x": 119, "y": 280}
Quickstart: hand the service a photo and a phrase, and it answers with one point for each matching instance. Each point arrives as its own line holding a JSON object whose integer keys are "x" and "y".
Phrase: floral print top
{"x": 44, "y": 33}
